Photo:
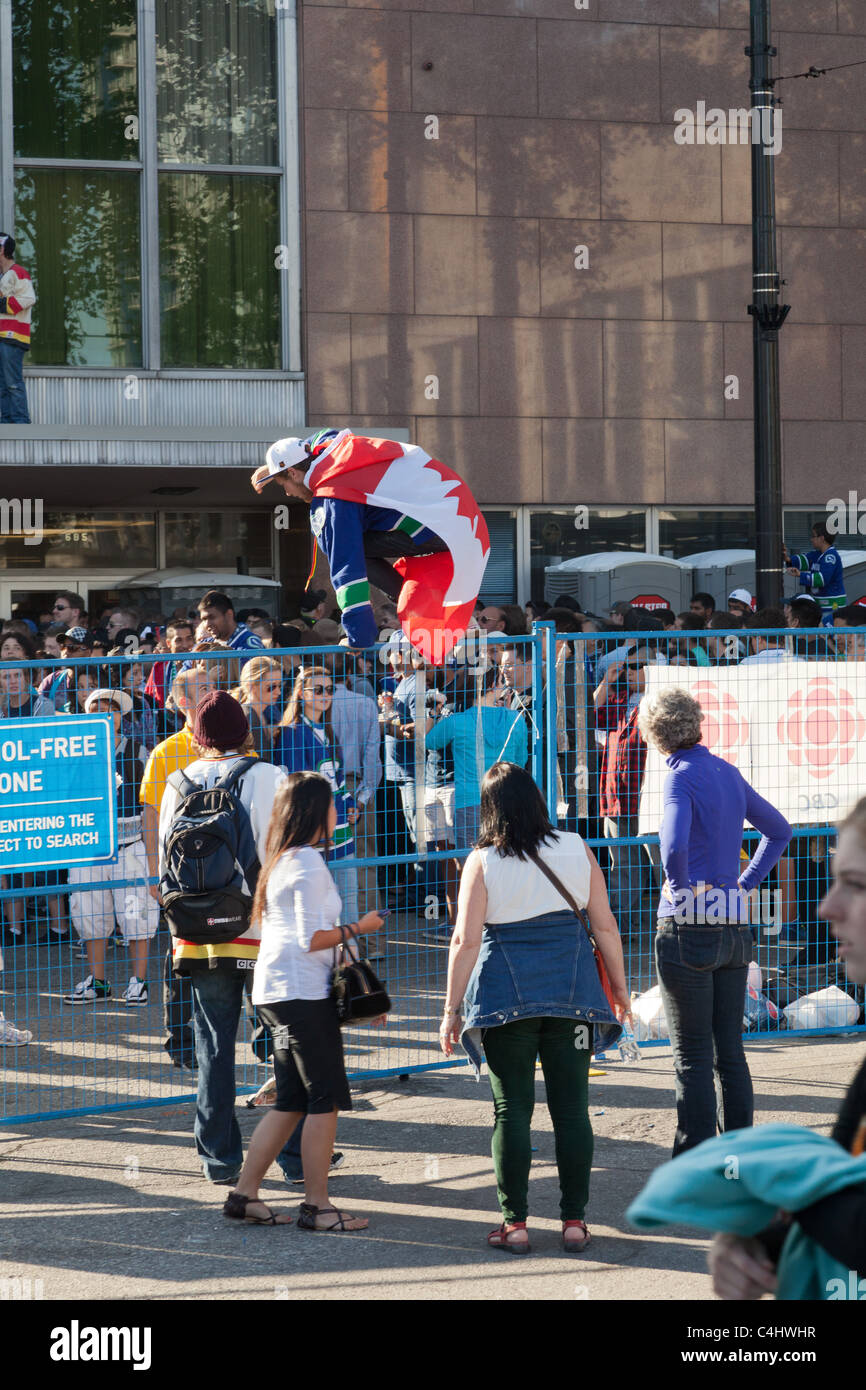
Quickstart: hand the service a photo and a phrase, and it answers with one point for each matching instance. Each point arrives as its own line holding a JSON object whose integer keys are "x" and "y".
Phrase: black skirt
{"x": 308, "y": 1056}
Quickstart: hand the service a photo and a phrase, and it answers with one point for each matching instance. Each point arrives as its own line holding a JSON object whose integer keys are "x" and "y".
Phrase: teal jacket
{"x": 479, "y": 737}
{"x": 739, "y": 1181}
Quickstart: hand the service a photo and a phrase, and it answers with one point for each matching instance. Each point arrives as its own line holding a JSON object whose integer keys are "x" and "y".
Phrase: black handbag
{"x": 356, "y": 989}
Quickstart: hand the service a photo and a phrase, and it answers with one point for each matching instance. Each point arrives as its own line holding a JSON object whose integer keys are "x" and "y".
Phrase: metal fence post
{"x": 544, "y": 764}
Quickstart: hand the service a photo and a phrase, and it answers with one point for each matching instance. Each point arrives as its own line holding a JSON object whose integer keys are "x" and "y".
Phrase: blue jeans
{"x": 218, "y": 997}
{"x": 702, "y": 976}
{"x": 345, "y": 875}
{"x": 632, "y": 872}
{"x": 13, "y": 395}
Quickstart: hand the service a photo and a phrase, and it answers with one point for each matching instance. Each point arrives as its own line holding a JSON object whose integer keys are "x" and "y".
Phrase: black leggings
{"x": 378, "y": 544}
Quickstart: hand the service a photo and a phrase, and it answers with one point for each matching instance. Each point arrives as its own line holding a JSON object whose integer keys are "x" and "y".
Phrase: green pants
{"x": 565, "y": 1049}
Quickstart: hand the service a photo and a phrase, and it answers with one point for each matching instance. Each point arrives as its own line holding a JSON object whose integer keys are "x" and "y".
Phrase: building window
{"x": 555, "y": 536}
{"x": 203, "y": 540}
{"x": 83, "y": 541}
{"x": 687, "y": 531}
{"x": 75, "y": 79}
{"x": 219, "y": 292}
{"x": 848, "y": 537}
{"x": 216, "y": 82}
{"x": 205, "y": 179}
{"x": 78, "y": 234}
{"x": 500, "y": 577}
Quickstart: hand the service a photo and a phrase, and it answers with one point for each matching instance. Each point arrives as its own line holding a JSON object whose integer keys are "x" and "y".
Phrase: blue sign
{"x": 58, "y": 791}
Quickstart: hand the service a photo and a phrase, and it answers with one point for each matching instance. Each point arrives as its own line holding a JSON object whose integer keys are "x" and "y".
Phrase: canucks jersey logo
{"x": 317, "y": 520}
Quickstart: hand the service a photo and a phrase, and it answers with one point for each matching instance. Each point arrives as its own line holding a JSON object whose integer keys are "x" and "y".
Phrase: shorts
{"x": 93, "y": 911}
{"x": 438, "y": 809}
{"x": 308, "y": 1056}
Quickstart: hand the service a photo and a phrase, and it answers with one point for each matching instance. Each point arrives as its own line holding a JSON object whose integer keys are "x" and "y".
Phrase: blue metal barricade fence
{"x": 86, "y": 951}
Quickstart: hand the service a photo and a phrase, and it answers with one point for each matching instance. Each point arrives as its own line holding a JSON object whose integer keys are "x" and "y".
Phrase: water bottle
{"x": 628, "y": 1048}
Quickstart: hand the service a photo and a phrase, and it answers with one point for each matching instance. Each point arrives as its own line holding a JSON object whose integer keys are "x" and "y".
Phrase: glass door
{"x": 34, "y": 598}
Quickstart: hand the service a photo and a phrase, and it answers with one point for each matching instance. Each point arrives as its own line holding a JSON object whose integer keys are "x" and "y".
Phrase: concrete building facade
{"x": 507, "y": 253}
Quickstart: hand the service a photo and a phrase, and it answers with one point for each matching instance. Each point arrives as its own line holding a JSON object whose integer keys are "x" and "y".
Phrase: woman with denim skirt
{"x": 522, "y": 964}
{"x": 705, "y": 939}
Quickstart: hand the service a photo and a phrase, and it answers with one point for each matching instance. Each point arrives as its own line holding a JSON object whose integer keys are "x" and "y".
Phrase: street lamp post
{"x": 768, "y": 315}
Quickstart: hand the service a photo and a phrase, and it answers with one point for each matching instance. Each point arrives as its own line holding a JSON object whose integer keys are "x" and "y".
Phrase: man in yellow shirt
{"x": 175, "y": 754}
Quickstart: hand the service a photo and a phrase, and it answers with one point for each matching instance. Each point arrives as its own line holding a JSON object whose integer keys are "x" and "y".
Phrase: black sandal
{"x": 235, "y": 1208}
{"x": 307, "y": 1220}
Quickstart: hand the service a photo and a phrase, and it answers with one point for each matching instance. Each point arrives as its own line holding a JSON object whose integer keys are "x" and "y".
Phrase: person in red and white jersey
{"x": 17, "y": 298}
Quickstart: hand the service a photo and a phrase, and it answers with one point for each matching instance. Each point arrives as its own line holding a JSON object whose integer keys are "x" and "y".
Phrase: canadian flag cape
{"x": 439, "y": 591}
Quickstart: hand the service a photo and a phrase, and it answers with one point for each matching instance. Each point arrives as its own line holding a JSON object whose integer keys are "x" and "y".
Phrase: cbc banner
{"x": 795, "y": 729}
{"x": 58, "y": 799}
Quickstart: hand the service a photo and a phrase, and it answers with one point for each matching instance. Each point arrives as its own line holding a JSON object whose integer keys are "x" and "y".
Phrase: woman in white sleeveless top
{"x": 522, "y": 964}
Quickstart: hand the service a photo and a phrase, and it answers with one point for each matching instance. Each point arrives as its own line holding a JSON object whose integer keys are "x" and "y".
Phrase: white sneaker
{"x": 12, "y": 1036}
{"x": 135, "y": 992}
{"x": 86, "y": 991}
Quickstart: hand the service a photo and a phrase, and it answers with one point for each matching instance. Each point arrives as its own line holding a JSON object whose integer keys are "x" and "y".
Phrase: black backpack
{"x": 209, "y": 852}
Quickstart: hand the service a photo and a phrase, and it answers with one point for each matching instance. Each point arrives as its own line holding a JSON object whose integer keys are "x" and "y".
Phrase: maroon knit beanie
{"x": 219, "y": 722}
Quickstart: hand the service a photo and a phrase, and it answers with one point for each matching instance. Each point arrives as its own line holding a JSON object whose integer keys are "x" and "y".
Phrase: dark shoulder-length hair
{"x": 299, "y": 817}
{"x": 514, "y": 817}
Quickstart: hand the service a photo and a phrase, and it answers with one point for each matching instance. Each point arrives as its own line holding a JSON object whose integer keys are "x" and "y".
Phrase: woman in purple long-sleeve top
{"x": 705, "y": 939}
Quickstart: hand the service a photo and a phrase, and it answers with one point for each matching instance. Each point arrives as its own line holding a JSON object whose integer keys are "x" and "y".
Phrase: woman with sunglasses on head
{"x": 297, "y": 907}
{"x": 305, "y": 742}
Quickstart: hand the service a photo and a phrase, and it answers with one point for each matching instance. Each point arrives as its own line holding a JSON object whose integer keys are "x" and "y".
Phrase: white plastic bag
{"x": 648, "y": 1013}
{"x": 826, "y": 1008}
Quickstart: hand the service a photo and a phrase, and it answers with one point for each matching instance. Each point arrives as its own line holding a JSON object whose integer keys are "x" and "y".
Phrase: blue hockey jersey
{"x": 822, "y": 578}
{"x": 339, "y": 527}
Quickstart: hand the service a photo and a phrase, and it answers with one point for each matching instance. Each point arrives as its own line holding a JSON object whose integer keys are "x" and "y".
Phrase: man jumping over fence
{"x": 388, "y": 514}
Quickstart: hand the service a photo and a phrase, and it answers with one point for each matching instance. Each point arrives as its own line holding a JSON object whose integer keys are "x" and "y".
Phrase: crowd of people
{"x": 342, "y": 759}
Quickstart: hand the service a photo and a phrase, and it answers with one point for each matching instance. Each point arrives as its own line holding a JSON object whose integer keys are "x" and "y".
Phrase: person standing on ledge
{"x": 388, "y": 514}
{"x": 820, "y": 572}
{"x": 17, "y": 298}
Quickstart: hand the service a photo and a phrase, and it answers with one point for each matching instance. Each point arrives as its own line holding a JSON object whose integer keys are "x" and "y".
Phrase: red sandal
{"x": 574, "y": 1247}
{"x": 503, "y": 1238}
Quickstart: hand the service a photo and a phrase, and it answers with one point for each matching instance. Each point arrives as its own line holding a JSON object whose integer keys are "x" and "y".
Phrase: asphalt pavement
{"x": 114, "y": 1206}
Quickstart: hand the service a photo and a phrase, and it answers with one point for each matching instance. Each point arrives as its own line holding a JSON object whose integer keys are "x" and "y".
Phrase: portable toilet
{"x": 620, "y": 576}
{"x": 719, "y": 572}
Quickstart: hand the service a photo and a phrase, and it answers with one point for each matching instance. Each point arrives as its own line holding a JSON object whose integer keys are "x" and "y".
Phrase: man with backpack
{"x": 213, "y": 826}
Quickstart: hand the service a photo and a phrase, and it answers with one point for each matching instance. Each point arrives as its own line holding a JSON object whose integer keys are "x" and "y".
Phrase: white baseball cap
{"x": 286, "y": 453}
{"x": 121, "y": 699}
{"x": 742, "y": 596}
